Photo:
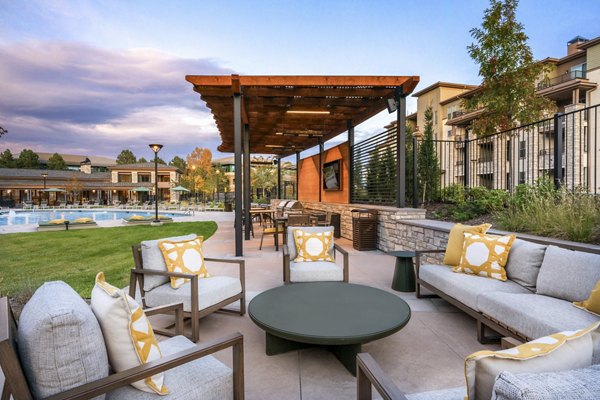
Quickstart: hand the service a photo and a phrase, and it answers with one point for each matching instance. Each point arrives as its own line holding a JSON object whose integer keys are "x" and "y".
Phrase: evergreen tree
{"x": 56, "y": 162}
{"x": 28, "y": 159}
{"x": 142, "y": 160}
{"x": 427, "y": 165}
{"x": 409, "y": 163}
{"x": 179, "y": 163}
{"x": 160, "y": 161}
{"x": 358, "y": 177}
{"x": 7, "y": 160}
{"x": 509, "y": 72}
{"x": 126, "y": 156}
{"x": 387, "y": 175}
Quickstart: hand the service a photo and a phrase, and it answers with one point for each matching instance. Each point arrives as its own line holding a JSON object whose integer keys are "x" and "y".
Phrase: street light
{"x": 45, "y": 175}
{"x": 156, "y": 148}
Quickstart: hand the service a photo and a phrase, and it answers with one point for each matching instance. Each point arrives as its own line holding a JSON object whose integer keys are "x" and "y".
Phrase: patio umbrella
{"x": 181, "y": 189}
{"x": 140, "y": 189}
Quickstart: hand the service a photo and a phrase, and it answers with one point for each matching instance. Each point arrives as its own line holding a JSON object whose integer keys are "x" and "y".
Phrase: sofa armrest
{"x": 368, "y": 374}
{"x": 286, "y": 263}
{"x": 344, "y": 253}
{"x": 418, "y": 254}
{"x": 137, "y": 273}
{"x": 124, "y": 378}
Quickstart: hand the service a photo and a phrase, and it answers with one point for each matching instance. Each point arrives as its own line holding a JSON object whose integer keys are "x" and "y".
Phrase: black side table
{"x": 404, "y": 273}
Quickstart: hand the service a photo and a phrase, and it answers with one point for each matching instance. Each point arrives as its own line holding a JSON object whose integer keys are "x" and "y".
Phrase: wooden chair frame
{"x": 368, "y": 375}
{"x": 137, "y": 277}
{"x": 336, "y": 248}
{"x": 16, "y": 384}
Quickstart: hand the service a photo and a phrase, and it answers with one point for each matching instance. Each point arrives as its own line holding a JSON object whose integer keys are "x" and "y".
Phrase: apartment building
{"x": 524, "y": 155}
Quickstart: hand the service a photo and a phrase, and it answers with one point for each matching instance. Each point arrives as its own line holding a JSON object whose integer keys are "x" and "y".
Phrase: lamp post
{"x": 44, "y": 176}
{"x": 156, "y": 148}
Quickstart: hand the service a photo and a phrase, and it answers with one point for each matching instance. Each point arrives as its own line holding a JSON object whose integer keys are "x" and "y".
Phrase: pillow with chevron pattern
{"x": 128, "y": 335}
{"x": 185, "y": 257}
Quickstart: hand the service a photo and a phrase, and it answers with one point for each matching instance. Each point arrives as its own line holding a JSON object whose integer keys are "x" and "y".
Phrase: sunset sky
{"x": 94, "y": 77}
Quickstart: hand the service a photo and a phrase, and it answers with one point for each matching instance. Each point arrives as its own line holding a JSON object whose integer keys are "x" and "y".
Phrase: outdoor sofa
{"x": 141, "y": 220}
{"x": 535, "y": 301}
{"x": 61, "y": 225}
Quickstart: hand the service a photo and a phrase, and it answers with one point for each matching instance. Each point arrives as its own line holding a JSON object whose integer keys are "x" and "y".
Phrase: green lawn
{"x": 29, "y": 259}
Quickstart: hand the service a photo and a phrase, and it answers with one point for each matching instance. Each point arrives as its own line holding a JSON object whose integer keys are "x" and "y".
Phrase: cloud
{"x": 73, "y": 97}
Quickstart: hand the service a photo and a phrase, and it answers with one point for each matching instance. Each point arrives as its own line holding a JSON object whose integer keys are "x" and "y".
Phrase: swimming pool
{"x": 34, "y": 217}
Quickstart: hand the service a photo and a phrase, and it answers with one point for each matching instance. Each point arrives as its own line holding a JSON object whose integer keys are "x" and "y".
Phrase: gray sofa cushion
{"x": 567, "y": 274}
{"x": 315, "y": 271}
{"x": 312, "y": 229}
{"x": 580, "y": 384}
{"x": 524, "y": 262}
{"x": 60, "y": 341}
{"x": 464, "y": 287}
{"x": 205, "y": 378}
{"x": 153, "y": 258}
{"x": 534, "y": 315}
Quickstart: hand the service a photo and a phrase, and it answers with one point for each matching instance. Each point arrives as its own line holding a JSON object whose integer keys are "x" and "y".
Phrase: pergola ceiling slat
{"x": 327, "y": 104}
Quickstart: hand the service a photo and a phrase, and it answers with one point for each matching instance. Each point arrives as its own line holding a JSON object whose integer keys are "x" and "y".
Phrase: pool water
{"x": 34, "y": 217}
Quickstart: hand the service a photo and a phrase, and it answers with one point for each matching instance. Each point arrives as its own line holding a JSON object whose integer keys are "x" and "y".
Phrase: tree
{"x": 56, "y": 162}
{"x": 410, "y": 163}
{"x": 179, "y": 163}
{"x": 28, "y": 159}
{"x": 142, "y": 160}
{"x": 427, "y": 165}
{"x": 200, "y": 171}
{"x": 126, "y": 156}
{"x": 508, "y": 90}
{"x": 75, "y": 187}
{"x": 7, "y": 160}
{"x": 263, "y": 177}
{"x": 160, "y": 161}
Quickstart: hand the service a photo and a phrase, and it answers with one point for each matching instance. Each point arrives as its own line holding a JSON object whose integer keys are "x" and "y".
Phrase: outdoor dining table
{"x": 262, "y": 212}
{"x": 283, "y": 222}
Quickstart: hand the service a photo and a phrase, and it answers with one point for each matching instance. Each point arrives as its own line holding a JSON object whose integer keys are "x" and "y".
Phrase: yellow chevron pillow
{"x": 592, "y": 304}
{"x": 485, "y": 255}
{"x": 558, "y": 352}
{"x": 128, "y": 335}
{"x": 313, "y": 246}
{"x": 185, "y": 257}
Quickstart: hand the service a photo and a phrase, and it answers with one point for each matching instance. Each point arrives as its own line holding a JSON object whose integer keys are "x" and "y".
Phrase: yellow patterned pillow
{"x": 485, "y": 255}
{"x": 185, "y": 257}
{"x": 558, "y": 352}
{"x": 592, "y": 304}
{"x": 128, "y": 335}
{"x": 313, "y": 246}
{"x": 456, "y": 239}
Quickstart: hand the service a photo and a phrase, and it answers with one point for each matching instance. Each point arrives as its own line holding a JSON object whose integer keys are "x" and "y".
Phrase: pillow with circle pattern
{"x": 313, "y": 246}
{"x": 485, "y": 255}
{"x": 185, "y": 257}
{"x": 128, "y": 335}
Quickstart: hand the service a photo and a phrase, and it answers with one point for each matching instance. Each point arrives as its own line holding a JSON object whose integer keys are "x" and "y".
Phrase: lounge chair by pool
{"x": 60, "y": 224}
{"x": 140, "y": 219}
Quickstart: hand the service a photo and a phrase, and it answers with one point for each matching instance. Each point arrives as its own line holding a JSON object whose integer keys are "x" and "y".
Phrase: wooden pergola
{"x": 284, "y": 115}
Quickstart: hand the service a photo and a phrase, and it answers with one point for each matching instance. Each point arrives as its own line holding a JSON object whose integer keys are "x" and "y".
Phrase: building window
{"x": 164, "y": 178}
{"x": 450, "y": 133}
{"x": 144, "y": 178}
{"x": 521, "y": 177}
{"x": 124, "y": 177}
{"x": 435, "y": 117}
{"x": 508, "y": 150}
{"x": 585, "y": 138}
{"x": 522, "y": 149}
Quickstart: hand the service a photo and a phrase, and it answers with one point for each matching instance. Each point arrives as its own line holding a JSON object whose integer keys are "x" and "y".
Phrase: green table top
{"x": 329, "y": 313}
{"x": 402, "y": 254}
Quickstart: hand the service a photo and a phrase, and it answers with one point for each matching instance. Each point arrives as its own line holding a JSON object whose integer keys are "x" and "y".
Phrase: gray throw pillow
{"x": 153, "y": 258}
{"x": 567, "y": 274}
{"x": 60, "y": 341}
{"x": 524, "y": 262}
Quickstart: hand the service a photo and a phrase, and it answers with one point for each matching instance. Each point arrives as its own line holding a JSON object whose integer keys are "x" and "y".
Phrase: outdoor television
{"x": 332, "y": 179}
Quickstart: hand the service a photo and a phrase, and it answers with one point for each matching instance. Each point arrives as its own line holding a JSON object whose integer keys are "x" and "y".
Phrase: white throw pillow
{"x": 129, "y": 338}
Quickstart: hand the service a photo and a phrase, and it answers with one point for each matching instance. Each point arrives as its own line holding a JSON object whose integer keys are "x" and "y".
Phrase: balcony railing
{"x": 569, "y": 76}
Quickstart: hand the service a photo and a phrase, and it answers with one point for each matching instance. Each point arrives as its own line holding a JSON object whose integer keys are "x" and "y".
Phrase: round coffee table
{"x": 339, "y": 316}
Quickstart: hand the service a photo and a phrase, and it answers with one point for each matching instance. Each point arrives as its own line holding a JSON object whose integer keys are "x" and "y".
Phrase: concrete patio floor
{"x": 427, "y": 354}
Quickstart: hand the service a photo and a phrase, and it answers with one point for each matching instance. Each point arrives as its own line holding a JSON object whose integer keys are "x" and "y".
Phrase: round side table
{"x": 404, "y": 273}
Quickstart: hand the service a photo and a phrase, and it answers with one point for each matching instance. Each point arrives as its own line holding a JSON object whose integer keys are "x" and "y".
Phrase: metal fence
{"x": 564, "y": 148}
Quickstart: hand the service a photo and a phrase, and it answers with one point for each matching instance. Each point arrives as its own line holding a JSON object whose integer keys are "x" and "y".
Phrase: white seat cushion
{"x": 463, "y": 287}
{"x": 205, "y": 378}
{"x": 315, "y": 271}
{"x": 210, "y": 292}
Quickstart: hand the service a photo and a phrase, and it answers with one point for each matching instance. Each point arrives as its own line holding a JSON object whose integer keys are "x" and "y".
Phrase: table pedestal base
{"x": 346, "y": 354}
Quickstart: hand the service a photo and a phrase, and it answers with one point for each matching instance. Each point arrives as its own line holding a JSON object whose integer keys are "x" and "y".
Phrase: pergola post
{"x": 278, "y": 177}
{"x": 237, "y": 146}
{"x": 321, "y": 149}
{"x": 351, "y": 160}
{"x": 400, "y": 148}
{"x": 247, "y": 184}
{"x": 297, "y": 173}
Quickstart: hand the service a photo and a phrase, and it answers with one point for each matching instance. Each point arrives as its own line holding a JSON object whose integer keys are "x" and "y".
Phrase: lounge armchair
{"x": 200, "y": 297}
{"x": 316, "y": 270}
{"x": 50, "y": 361}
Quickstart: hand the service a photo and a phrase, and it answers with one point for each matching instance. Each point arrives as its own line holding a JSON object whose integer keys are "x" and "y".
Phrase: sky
{"x": 95, "y": 77}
